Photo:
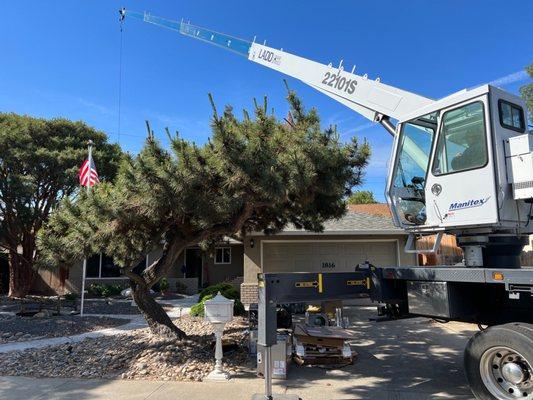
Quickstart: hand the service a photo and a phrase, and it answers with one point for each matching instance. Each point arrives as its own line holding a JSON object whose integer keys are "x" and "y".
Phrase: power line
{"x": 120, "y": 77}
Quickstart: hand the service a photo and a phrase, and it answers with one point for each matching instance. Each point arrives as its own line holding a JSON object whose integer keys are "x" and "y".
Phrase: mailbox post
{"x": 218, "y": 311}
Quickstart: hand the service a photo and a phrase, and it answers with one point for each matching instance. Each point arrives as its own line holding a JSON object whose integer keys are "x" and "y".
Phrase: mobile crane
{"x": 461, "y": 165}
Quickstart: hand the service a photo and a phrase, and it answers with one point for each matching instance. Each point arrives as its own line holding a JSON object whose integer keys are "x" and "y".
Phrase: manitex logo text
{"x": 468, "y": 204}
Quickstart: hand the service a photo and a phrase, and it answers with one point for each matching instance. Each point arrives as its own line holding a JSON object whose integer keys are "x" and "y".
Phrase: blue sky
{"x": 61, "y": 58}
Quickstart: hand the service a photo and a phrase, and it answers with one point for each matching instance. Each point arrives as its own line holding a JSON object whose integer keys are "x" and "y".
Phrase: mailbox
{"x": 219, "y": 310}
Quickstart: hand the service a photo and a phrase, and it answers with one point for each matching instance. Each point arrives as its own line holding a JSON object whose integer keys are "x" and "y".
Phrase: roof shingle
{"x": 372, "y": 217}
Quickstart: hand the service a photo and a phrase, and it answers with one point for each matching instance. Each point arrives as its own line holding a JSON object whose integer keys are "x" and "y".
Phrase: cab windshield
{"x": 411, "y": 167}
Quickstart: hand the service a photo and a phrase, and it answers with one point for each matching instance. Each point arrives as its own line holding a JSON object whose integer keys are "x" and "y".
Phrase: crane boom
{"x": 370, "y": 98}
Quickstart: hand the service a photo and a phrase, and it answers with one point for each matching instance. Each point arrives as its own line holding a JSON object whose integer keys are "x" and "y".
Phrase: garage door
{"x": 326, "y": 256}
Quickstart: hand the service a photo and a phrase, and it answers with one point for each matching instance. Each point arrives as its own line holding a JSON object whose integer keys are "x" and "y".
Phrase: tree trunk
{"x": 21, "y": 275}
{"x": 158, "y": 320}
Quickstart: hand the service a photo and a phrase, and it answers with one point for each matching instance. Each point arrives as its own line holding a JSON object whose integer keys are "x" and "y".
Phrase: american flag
{"x": 88, "y": 175}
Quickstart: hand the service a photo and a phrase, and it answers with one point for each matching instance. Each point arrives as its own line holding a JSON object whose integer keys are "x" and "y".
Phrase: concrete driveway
{"x": 414, "y": 358}
{"x": 407, "y": 359}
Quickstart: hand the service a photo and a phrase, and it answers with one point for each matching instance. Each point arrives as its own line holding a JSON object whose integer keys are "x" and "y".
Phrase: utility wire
{"x": 120, "y": 78}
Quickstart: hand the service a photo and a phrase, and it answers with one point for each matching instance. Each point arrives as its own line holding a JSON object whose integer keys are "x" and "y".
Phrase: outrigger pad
{"x": 259, "y": 396}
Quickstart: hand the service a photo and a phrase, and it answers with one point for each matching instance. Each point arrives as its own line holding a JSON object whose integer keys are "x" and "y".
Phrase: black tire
{"x": 515, "y": 336}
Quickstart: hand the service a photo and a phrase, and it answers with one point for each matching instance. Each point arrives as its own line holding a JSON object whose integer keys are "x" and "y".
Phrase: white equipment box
{"x": 519, "y": 160}
{"x": 281, "y": 355}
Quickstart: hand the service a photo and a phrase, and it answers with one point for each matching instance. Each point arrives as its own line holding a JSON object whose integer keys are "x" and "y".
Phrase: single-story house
{"x": 365, "y": 233}
{"x": 194, "y": 269}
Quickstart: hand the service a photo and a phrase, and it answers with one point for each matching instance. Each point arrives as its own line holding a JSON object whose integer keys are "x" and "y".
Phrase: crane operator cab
{"x": 464, "y": 165}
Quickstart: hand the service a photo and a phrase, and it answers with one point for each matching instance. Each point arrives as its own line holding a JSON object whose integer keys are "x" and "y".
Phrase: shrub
{"x": 97, "y": 289}
{"x": 197, "y": 310}
{"x": 111, "y": 290}
{"x": 238, "y": 308}
{"x": 181, "y": 287}
{"x": 227, "y": 290}
{"x": 70, "y": 296}
{"x": 163, "y": 285}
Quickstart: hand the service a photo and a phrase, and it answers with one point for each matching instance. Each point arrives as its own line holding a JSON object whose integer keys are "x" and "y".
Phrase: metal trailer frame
{"x": 388, "y": 285}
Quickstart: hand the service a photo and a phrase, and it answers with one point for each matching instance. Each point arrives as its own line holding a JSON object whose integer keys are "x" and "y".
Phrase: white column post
{"x": 218, "y": 352}
{"x": 218, "y": 374}
{"x": 83, "y": 285}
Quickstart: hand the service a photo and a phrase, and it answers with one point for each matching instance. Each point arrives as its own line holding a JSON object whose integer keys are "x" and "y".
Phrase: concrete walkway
{"x": 17, "y": 388}
{"x": 181, "y": 307}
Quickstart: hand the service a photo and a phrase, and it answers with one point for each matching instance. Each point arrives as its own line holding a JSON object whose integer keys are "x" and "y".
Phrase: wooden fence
{"x": 447, "y": 254}
{"x": 526, "y": 258}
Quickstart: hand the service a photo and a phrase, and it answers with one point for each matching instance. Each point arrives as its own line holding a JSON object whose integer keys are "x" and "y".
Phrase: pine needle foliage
{"x": 39, "y": 163}
{"x": 253, "y": 174}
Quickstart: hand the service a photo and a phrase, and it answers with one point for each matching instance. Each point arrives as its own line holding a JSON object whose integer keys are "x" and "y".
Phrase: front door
{"x": 460, "y": 188}
{"x": 193, "y": 264}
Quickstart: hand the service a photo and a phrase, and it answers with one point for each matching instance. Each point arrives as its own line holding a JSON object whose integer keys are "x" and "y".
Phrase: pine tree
{"x": 527, "y": 92}
{"x": 39, "y": 161}
{"x": 254, "y": 174}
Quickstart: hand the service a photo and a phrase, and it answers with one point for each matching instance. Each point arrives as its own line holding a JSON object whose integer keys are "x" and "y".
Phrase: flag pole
{"x": 84, "y": 273}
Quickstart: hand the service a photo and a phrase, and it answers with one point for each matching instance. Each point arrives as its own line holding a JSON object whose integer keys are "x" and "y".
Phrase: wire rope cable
{"x": 120, "y": 77}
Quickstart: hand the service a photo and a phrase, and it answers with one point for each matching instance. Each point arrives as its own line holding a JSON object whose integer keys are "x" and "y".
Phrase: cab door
{"x": 460, "y": 188}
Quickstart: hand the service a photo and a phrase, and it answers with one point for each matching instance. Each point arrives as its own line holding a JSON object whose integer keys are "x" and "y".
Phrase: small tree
{"x": 362, "y": 197}
{"x": 253, "y": 174}
{"x": 527, "y": 92}
{"x": 39, "y": 161}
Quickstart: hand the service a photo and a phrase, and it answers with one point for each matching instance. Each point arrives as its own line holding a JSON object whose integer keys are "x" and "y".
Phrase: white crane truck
{"x": 461, "y": 165}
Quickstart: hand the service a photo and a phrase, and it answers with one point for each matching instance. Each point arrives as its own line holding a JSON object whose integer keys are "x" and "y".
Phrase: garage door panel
{"x": 326, "y": 256}
{"x": 298, "y": 249}
{"x": 329, "y": 249}
{"x": 303, "y": 265}
{"x": 351, "y": 250}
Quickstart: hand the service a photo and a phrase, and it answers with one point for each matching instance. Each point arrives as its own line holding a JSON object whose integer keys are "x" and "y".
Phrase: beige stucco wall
{"x": 224, "y": 272}
{"x": 252, "y": 256}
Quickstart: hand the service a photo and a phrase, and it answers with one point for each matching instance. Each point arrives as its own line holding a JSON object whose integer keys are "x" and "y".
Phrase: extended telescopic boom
{"x": 370, "y": 98}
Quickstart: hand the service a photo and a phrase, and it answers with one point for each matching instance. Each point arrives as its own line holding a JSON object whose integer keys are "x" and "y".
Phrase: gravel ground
{"x": 100, "y": 306}
{"x": 92, "y": 306}
{"x": 18, "y": 329}
{"x": 136, "y": 355}
{"x": 112, "y": 306}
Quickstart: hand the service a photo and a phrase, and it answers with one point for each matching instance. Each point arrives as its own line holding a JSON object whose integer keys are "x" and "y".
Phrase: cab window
{"x": 410, "y": 171}
{"x": 462, "y": 142}
{"x": 511, "y": 116}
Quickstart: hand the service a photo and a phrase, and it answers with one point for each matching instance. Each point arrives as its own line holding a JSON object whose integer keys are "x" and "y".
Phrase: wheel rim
{"x": 506, "y": 373}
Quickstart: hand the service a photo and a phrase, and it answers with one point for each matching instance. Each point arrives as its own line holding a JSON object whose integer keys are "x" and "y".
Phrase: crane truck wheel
{"x": 499, "y": 362}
